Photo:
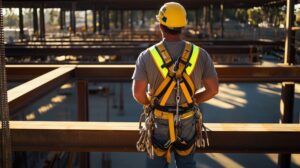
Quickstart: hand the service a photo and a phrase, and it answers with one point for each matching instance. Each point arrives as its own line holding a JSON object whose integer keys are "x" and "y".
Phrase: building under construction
{"x": 66, "y": 68}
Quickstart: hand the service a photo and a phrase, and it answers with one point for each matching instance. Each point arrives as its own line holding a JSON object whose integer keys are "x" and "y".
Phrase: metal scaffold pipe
{"x": 5, "y": 136}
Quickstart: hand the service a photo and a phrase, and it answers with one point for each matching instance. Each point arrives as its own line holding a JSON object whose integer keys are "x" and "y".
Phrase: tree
{"x": 53, "y": 19}
{"x": 241, "y": 15}
{"x": 255, "y": 16}
{"x": 10, "y": 18}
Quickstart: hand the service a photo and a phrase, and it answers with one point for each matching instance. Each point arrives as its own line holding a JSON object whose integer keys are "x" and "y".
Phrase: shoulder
{"x": 203, "y": 52}
{"x": 146, "y": 52}
{"x": 144, "y": 56}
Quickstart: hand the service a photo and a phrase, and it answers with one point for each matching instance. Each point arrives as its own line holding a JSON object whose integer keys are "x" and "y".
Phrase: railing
{"x": 81, "y": 136}
{"x": 101, "y": 137}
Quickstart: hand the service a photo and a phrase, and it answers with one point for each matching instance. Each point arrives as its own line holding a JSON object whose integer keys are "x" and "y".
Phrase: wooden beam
{"x": 236, "y": 73}
{"x": 276, "y": 73}
{"x": 101, "y": 137}
{"x": 139, "y": 5}
{"x": 21, "y": 73}
{"x": 88, "y": 50}
{"x": 26, "y": 93}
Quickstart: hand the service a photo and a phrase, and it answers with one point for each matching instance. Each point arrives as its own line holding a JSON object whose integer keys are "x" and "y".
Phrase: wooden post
{"x": 287, "y": 102}
{"x": 21, "y": 24}
{"x": 122, "y": 19}
{"x": 62, "y": 19}
{"x": 106, "y": 18}
{"x": 5, "y": 146}
{"x": 205, "y": 14}
{"x": 121, "y": 107}
{"x": 86, "y": 21}
{"x": 35, "y": 22}
{"x": 83, "y": 110}
{"x": 94, "y": 21}
{"x": 116, "y": 13}
{"x": 42, "y": 22}
{"x": 222, "y": 19}
{"x": 131, "y": 19}
{"x": 143, "y": 18}
{"x": 289, "y": 56}
{"x": 288, "y": 88}
{"x": 82, "y": 100}
{"x": 100, "y": 21}
{"x": 73, "y": 18}
{"x": 196, "y": 20}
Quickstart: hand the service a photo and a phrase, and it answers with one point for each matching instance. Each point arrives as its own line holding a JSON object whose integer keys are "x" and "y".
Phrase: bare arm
{"x": 139, "y": 88}
{"x": 211, "y": 89}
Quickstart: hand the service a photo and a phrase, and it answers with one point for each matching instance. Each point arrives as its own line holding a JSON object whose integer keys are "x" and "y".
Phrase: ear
{"x": 160, "y": 26}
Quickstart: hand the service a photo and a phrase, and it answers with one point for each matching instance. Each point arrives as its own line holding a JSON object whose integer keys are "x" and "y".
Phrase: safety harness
{"x": 176, "y": 76}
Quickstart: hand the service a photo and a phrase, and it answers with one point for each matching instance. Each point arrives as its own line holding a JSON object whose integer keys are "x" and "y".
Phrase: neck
{"x": 172, "y": 37}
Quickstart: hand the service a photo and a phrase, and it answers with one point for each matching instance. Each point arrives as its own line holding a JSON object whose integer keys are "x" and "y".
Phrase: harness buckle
{"x": 167, "y": 144}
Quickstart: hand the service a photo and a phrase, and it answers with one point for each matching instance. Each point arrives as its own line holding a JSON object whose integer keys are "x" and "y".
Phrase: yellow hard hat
{"x": 172, "y": 15}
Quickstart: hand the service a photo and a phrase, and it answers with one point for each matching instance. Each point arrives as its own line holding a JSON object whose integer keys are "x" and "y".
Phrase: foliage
{"x": 241, "y": 15}
{"x": 11, "y": 19}
{"x": 298, "y": 17}
{"x": 255, "y": 16}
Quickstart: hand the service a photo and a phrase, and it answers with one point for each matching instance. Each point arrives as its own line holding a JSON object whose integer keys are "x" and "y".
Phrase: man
{"x": 168, "y": 77}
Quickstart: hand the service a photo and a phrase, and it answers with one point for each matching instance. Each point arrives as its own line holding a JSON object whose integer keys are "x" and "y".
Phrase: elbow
{"x": 138, "y": 96}
{"x": 215, "y": 91}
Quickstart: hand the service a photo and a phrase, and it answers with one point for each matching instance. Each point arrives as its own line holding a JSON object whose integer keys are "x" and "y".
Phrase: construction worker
{"x": 168, "y": 80}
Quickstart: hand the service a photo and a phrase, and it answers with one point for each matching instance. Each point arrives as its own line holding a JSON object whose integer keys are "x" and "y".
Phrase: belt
{"x": 172, "y": 109}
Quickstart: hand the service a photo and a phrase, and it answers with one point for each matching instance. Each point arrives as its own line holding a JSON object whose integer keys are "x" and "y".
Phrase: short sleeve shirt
{"x": 146, "y": 70}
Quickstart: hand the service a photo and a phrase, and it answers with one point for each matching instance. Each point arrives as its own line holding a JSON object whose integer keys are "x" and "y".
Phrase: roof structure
{"x": 137, "y": 5}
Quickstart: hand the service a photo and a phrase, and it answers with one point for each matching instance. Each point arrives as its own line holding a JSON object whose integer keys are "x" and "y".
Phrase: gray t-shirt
{"x": 146, "y": 69}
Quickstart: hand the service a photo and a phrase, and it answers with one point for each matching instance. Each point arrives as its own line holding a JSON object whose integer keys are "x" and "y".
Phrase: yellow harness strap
{"x": 184, "y": 59}
{"x": 165, "y": 65}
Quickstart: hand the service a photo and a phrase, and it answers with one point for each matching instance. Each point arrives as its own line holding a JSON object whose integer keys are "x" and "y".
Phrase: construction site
{"x": 66, "y": 71}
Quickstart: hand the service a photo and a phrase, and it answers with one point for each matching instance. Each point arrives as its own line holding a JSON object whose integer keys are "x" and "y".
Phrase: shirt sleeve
{"x": 209, "y": 70}
{"x": 140, "y": 72}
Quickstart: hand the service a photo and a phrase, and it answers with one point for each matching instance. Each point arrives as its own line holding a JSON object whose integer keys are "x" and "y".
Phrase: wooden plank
{"x": 20, "y": 73}
{"x": 232, "y": 73}
{"x": 137, "y": 5}
{"x": 26, "y": 93}
{"x": 101, "y": 136}
{"x": 277, "y": 73}
{"x": 133, "y": 126}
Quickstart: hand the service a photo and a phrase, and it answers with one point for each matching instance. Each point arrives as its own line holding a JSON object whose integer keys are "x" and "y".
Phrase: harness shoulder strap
{"x": 182, "y": 63}
{"x": 158, "y": 60}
